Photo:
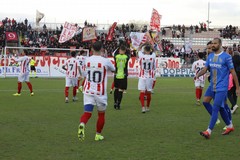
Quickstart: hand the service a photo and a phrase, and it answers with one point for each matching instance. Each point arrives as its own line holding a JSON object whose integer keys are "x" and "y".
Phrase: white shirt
{"x": 96, "y": 75}
{"x": 197, "y": 66}
{"x": 147, "y": 65}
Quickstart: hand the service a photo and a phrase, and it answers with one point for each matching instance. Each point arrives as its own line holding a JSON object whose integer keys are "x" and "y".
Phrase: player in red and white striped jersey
{"x": 199, "y": 82}
{"x": 24, "y": 74}
{"x": 81, "y": 58}
{"x": 95, "y": 90}
{"x": 146, "y": 75}
{"x": 73, "y": 71}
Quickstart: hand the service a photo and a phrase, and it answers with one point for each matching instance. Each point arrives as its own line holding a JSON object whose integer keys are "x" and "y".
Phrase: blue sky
{"x": 222, "y": 12}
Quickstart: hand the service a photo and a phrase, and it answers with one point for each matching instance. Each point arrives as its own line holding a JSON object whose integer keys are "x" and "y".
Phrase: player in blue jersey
{"x": 220, "y": 65}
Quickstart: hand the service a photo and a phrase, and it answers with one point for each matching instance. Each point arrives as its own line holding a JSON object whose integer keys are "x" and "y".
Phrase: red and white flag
{"x": 155, "y": 20}
{"x": 69, "y": 30}
{"x": 111, "y": 32}
{"x": 136, "y": 39}
{"x": 11, "y": 36}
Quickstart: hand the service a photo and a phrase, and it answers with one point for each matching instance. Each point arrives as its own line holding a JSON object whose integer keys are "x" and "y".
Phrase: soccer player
{"x": 81, "y": 58}
{"x": 220, "y": 65}
{"x": 24, "y": 74}
{"x": 95, "y": 90}
{"x": 147, "y": 68}
{"x": 72, "y": 69}
{"x": 120, "y": 77}
{"x": 32, "y": 67}
{"x": 199, "y": 83}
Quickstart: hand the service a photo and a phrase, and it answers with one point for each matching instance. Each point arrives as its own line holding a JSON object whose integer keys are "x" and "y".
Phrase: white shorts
{"x": 145, "y": 84}
{"x": 99, "y": 101}
{"x": 71, "y": 82}
{"x": 199, "y": 83}
{"x": 23, "y": 77}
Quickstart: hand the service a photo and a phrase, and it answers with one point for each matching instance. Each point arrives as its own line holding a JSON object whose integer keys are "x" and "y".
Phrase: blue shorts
{"x": 219, "y": 97}
{"x": 209, "y": 93}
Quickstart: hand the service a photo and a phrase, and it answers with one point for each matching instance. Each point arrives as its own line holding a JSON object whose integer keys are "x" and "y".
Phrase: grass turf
{"x": 44, "y": 127}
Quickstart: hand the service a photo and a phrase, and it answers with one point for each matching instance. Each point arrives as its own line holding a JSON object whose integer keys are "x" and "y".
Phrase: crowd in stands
{"x": 230, "y": 32}
{"x": 48, "y": 38}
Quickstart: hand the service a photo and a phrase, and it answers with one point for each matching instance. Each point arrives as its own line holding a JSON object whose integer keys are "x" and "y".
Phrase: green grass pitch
{"x": 43, "y": 127}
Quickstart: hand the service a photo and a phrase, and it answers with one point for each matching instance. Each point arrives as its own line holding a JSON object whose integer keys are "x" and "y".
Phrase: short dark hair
{"x": 200, "y": 55}
{"x": 73, "y": 53}
{"x": 210, "y": 42}
{"x": 147, "y": 48}
{"x": 97, "y": 46}
{"x": 82, "y": 52}
{"x": 123, "y": 47}
{"x": 219, "y": 40}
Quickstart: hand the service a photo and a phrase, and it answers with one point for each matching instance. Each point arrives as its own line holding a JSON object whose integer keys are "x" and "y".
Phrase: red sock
{"x": 78, "y": 83}
{"x": 200, "y": 93}
{"x": 66, "y": 91}
{"x": 19, "y": 87}
{"x": 75, "y": 91}
{"x": 29, "y": 86}
{"x": 85, "y": 117}
{"x": 153, "y": 84}
{"x": 197, "y": 93}
{"x": 149, "y": 97}
{"x": 112, "y": 86}
{"x": 142, "y": 94}
{"x": 100, "y": 121}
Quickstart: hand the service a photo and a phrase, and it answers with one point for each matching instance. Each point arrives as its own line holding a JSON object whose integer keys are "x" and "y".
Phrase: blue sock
{"x": 208, "y": 107}
{"x": 214, "y": 116}
{"x": 225, "y": 116}
{"x": 228, "y": 111}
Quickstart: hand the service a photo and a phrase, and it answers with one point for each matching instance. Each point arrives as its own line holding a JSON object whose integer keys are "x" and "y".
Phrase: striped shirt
{"x": 96, "y": 75}
{"x": 72, "y": 67}
{"x": 147, "y": 65}
{"x": 24, "y": 67}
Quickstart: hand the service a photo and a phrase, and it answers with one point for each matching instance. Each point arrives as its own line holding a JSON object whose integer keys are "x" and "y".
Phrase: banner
{"x": 111, "y": 32}
{"x": 155, "y": 20}
{"x": 136, "y": 38}
{"x": 181, "y": 72}
{"x": 89, "y": 33}
{"x": 69, "y": 30}
{"x": 51, "y": 66}
{"x": 11, "y": 36}
{"x": 39, "y": 17}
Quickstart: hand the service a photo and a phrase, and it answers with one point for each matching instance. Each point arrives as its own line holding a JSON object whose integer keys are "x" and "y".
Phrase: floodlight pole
{"x": 208, "y": 21}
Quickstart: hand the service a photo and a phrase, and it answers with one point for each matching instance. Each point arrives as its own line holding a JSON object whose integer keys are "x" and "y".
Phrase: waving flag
{"x": 69, "y": 30}
{"x": 39, "y": 17}
{"x": 111, "y": 32}
{"x": 155, "y": 20}
{"x": 11, "y": 36}
{"x": 136, "y": 39}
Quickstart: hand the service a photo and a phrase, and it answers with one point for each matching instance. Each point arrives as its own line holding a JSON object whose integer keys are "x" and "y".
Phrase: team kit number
{"x": 94, "y": 76}
{"x": 147, "y": 65}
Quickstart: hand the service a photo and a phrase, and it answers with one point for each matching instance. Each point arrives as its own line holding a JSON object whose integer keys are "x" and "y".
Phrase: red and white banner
{"x": 89, "y": 33}
{"x": 48, "y": 66}
{"x": 11, "y": 36}
{"x": 155, "y": 20}
{"x": 69, "y": 30}
{"x": 111, "y": 32}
